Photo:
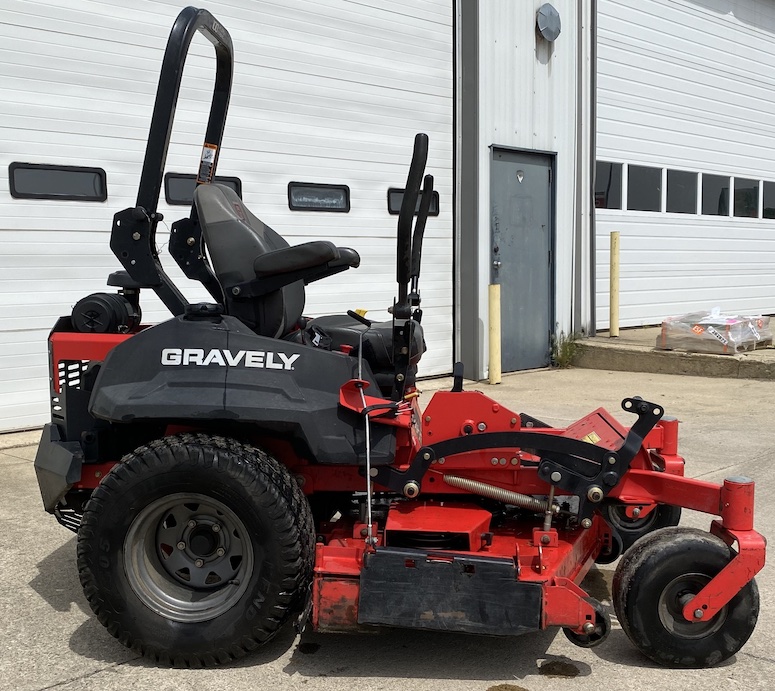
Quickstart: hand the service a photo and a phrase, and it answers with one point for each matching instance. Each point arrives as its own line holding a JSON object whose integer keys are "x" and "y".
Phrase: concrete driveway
{"x": 51, "y": 640}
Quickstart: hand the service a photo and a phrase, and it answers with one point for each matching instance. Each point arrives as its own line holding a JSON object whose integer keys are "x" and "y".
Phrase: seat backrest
{"x": 234, "y": 237}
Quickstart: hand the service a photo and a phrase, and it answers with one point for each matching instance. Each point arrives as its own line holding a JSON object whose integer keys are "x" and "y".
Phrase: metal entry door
{"x": 521, "y": 255}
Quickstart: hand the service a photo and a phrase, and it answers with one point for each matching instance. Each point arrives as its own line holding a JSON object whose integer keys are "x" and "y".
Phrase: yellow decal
{"x": 591, "y": 438}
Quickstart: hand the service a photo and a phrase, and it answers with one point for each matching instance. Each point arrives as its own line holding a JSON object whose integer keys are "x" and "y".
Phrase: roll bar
{"x": 133, "y": 238}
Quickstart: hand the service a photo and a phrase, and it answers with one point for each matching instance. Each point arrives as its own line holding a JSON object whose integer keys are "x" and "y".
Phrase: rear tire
{"x": 657, "y": 577}
{"x": 195, "y": 549}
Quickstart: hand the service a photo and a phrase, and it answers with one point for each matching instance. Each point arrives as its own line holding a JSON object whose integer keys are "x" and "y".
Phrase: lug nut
{"x": 181, "y": 545}
{"x": 192, "y": 523}
{"x": 216, "y": 528}
{"x": 199, "y": 563}
{"x": 220, "y": 551}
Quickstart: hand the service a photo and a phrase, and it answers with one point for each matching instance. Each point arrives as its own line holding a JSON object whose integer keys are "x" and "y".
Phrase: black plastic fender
{"x": 217, "y": 369}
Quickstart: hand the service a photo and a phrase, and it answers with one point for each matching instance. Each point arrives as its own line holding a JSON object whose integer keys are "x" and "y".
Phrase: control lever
{"x": 419, "y": 230}
{"x": 359, "y": 318}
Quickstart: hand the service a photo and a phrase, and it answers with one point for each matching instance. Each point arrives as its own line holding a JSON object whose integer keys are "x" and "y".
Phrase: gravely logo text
{"x": 226, "y": 358}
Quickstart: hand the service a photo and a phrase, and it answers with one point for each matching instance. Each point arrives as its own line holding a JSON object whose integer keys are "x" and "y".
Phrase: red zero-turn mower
{"x": 239, "y": 466}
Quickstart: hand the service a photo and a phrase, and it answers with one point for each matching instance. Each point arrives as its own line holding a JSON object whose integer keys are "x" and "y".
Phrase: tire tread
{"x": 281, "y": 498}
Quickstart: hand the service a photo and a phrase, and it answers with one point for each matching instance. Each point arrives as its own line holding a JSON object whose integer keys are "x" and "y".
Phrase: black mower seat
{"x": 261, "y": 275}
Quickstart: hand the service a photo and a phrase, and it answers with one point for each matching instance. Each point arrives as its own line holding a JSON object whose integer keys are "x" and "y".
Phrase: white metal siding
{"x": 682, "y": 85}
{"x": 530, "y": 98}
{"x": 323, "y": 92}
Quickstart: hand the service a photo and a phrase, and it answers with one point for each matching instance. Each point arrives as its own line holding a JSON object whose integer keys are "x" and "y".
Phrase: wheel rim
{"x": 619, "y": 518}
{"x": 188, "y": 557}
{"x": 675, "y": 596}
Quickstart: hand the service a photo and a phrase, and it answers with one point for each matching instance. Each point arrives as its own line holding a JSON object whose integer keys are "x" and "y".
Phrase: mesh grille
{"x": 68, "y": 517}
{"x": 69, "y": 374}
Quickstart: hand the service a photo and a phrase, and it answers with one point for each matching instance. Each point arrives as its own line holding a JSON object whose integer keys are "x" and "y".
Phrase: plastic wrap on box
{"x": 712, "y": 332}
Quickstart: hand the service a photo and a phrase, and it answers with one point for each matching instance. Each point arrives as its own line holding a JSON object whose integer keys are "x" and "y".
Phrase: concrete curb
{"x": 634, "y": 358}
{"x": 14, "y": 440}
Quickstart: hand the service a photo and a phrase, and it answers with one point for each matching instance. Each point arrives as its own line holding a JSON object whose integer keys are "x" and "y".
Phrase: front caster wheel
{"x": 597, "y": 632}
{"x": 653, "y": 583}
{"x": 632, "y": 529}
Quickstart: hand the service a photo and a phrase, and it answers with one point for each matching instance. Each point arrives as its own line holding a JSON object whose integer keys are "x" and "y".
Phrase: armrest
{"x": 307, "y": 262}
{"x": 308, "y": 255}
{"x": 347, "y": 257}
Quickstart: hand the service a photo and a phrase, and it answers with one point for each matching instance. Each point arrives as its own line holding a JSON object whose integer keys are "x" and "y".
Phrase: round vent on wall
{"x": 548, "y": 22}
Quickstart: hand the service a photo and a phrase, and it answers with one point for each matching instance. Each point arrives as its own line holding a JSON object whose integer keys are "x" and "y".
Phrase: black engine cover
{"x": 211, "y": 370}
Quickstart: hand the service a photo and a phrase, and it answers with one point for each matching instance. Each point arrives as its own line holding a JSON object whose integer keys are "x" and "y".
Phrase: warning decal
{"x": 207, "y": 163}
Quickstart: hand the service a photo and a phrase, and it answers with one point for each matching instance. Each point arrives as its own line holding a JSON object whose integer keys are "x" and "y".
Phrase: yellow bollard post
{"x": 613, "y": 328}
{"x": 495, "y": 334}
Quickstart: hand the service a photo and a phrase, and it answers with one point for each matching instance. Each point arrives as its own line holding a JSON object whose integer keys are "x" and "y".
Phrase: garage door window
{"x": 769, "y": 200}
{"x": 608, "y": 185}
{"x": 179, "y": 187}
{"x": 644, "y": 188}
{"x": 46, "y": 181}
{"x": 715, "y": 195}
{"x": 746, "y": 198}
{"x": 681, "y": 192}
{"x": 316, "y": 196}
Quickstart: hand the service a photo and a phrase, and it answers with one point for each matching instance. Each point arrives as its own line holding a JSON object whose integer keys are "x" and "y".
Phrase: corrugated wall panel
{"x": 531, "y": 98}
{"x": 684, "y": 85}
{"x": 330, "y": 92}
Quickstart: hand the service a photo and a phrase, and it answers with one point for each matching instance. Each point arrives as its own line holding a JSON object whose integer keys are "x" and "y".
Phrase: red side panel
{"x": 82, "y": 347}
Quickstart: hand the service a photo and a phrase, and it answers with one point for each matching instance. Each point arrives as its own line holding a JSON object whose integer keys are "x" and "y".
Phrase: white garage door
{"x": 686, "y": 156}
{"x": 323, "y": 92}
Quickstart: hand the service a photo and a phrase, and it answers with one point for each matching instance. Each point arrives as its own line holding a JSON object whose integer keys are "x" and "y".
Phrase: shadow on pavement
{"x": 57, "y": 580}
{"x": 91, "y": 640}
{"x": 619, "y": 650}
{"x": 412, "y": 654}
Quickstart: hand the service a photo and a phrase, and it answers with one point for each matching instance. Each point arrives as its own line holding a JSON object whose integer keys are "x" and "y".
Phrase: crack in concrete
{"x": 60, "y": 684}
{"x": 757, "y": 657}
